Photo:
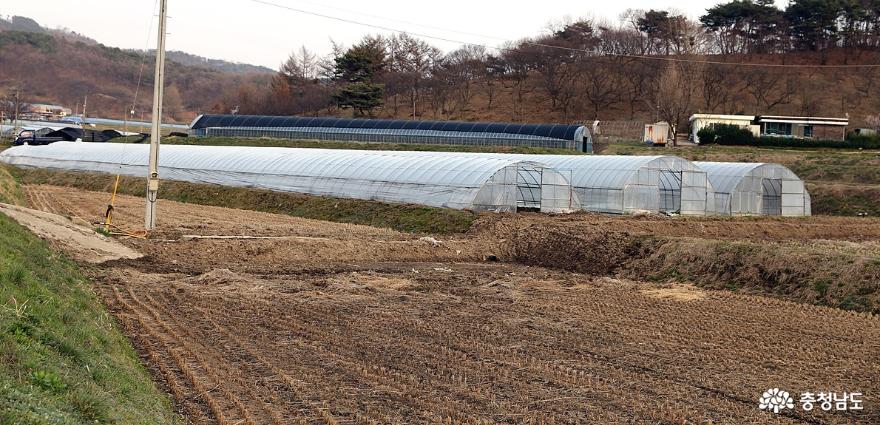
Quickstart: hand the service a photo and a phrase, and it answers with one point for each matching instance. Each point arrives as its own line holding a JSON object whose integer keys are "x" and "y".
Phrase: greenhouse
{"x": 624, "y": 184}
{"x": 459, "y": 182}
{"x": 756, "y": 189}
{"x": 560, "y": 136}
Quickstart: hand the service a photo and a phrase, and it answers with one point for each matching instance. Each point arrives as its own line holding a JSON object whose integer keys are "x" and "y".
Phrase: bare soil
{"x": 79, "y": 240}
{"x": 331, "y": 323}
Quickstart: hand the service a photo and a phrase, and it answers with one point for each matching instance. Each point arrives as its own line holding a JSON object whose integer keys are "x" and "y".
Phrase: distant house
{"x": 701, "y": 121}
{"x": 803, "y": 127}
{"x": 47, "y": 112}
{"x": 775, "y": 125}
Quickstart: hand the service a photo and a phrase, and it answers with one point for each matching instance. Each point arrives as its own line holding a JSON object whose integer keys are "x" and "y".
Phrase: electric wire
{"x": 550, "y": 46}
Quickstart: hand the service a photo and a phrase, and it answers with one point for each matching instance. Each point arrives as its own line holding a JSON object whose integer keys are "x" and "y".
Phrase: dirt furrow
{"x": 192, "y": 404}
{"x": 232, "y": 380}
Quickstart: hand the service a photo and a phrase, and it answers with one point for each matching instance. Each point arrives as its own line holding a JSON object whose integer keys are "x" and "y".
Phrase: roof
{"x": 593, "y": 171}
{"x": 443, "y": 181}
{"x": 726, "y": 176}
{"x": 804, "y": 120}
{"x": 556, "y": 131}
{"x": 722, "y": 117}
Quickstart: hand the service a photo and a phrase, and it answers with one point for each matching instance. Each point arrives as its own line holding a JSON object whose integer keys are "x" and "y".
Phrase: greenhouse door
{"x": 670, "y": 191}
{"x": 528, "y": 188}
{"x": 771, "y": 197}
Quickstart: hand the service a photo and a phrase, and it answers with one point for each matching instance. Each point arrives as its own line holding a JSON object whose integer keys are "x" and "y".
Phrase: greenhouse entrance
{"x": 670, "y": 191}
{"x": 771, "y": 197}
{"x": 528, "y": 188}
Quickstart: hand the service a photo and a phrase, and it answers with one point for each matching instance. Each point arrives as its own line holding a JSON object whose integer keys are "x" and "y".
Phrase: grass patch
{"x": 848, "y": 200}
{"x": 62, "y": 359}
{"x": 284, "y": 143}
{"x": 10, "y": 191}
{"x": 407, "y": 218}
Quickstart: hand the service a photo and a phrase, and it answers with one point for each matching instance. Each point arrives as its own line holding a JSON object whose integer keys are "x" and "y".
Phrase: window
{"x": 808, "y": 131}
{"x": 777, "y": 128}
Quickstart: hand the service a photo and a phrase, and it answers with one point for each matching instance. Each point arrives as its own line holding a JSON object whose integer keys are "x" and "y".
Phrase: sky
{"x": 252, "y": 31}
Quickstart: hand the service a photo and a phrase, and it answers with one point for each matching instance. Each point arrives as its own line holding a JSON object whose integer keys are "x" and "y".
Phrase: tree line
{"x": 648, "y": 65}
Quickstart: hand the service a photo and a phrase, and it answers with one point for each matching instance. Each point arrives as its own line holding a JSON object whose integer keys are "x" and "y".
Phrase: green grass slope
{"x": 62, "y": 359}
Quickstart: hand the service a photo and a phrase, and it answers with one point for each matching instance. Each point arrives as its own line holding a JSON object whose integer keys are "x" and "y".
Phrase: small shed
{"x": 657, "y": 134}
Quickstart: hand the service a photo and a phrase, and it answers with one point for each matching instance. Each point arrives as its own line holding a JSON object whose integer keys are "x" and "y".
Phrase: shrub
{"x": 729, "y": 134}
{"x": 706, "y": 135}
{"x": 863, "y": 141}
{"x": 734, "y": 135}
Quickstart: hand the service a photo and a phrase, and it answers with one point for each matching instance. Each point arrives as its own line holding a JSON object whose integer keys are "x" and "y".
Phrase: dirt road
{"x": 332, "y": 323}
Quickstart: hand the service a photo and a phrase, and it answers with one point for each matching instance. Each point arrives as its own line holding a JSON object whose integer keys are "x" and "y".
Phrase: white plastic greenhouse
{"x": 756, "y": 189}
{"x": 624, "y": 184}
{"x": 460, "y": 182}
{"x": 475, "y": 181}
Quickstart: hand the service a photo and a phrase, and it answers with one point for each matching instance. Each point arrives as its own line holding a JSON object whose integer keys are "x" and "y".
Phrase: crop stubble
{"x": 361, "y": 325}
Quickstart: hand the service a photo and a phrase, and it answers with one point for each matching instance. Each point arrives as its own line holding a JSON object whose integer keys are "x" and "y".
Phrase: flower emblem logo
{"x": 775, "y": 399}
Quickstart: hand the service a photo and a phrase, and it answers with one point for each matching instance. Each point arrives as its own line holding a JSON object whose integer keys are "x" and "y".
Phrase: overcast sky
{"x": 251, "y": 32}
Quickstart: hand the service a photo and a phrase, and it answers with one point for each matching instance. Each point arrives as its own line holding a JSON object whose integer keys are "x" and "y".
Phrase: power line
{"x": 401, "y": 21}
{"x": 550, "y": 46}
{"x": 144, "y": 57}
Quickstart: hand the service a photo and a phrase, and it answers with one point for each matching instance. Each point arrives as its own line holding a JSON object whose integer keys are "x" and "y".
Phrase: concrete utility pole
{"x": 15, "y": 123}
{"x": 156, "y": 133}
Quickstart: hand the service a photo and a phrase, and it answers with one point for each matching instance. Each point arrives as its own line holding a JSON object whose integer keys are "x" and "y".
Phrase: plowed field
{"x": 253, "y": 318}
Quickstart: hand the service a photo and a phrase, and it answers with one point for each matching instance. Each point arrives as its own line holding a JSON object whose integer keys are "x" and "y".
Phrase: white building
{"x": 701, "y": 121}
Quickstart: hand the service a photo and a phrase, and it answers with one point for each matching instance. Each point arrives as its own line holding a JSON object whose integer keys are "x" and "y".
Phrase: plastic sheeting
{"x": 562, "y": 136}
{"x": 757, "y": 189}
{"x": 459, "y": 182}
{"x": 625, "y": 184}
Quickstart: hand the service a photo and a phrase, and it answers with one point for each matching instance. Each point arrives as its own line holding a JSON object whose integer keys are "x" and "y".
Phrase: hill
{"x": 189, "y": 59}
{"x": 50, "y": 68}
{"x": 63, "y": 67}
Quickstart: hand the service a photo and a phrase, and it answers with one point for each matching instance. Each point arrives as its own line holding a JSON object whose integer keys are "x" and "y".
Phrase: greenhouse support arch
{"x": 459, "y": 182}
{"x": 757, "y": 189}
{"x": 625, "y": 184}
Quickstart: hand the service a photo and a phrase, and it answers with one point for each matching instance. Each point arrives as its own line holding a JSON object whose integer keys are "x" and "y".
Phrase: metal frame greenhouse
{"x": 475, "y": 181}
{"x": 757, "y": 189}
{"x": 459, "y": 182}
{"x": 625, "y": 184}
{"x": 561, "y": 136}
{"x": 622, "y": 184}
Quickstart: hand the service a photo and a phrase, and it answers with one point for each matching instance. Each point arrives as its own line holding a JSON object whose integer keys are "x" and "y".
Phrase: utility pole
{"x": 156, "y": 133}
{"x": 15, "y": 124}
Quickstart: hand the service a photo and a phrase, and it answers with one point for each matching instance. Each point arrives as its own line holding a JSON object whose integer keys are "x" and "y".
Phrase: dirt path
{"x": 333, "y": 323}
{"x": 78, "y": 240}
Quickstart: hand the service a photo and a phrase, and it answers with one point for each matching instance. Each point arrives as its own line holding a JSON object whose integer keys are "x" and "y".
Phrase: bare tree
{"x": 601, "y": 84}
{"x": 302, "y": 65}
{"x": 675, "y": 93}
{"x": 415, "y": 59}
{"x": 517, "y": 64}
{"x": 719, "y": 86}
{"x": 464, "y": 67}
{"x": 768, "y": 88}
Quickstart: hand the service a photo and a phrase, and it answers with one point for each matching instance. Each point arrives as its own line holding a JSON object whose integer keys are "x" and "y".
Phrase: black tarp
{"x": 556, "y": 131}
{"x": 71, "y": 134}
{"x": 68, "y": 134}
